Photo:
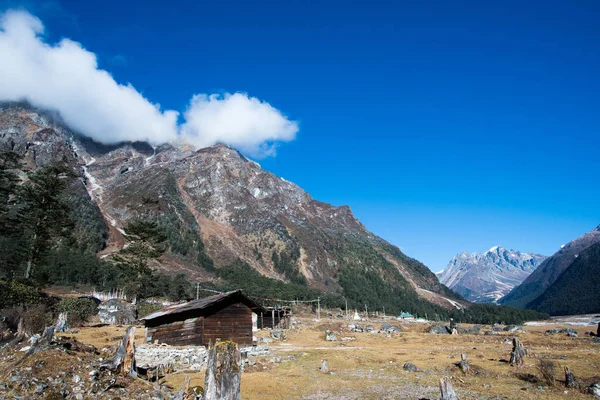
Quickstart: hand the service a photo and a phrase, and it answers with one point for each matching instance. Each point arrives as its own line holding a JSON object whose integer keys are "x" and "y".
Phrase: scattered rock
{"x": 568, "y": 331}
{"x": 595, "y": 390}
{"x": 330, "y": 336}
{"x": 513, "y": 328}
{"x": 410, "y": 367}
{"x": 278, "y": 334}
{"x": 388, "y": 328}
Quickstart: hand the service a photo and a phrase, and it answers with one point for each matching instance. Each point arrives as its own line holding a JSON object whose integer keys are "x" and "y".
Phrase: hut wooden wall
{"x": 178, "y": 333}
{"x": 233, "y": 322}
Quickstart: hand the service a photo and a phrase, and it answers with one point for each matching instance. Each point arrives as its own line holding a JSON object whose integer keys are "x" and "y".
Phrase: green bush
{"x": 79, "y": 310}
{"x": 144, "y": 309}
{"x": 15, "y": 293}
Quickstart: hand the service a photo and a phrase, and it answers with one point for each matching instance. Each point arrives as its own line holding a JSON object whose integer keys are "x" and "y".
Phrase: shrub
{"x": 547, "y": 371}
{"x": 35, "y": 318}
{"x": 18, "y": 294}
{"x": 79, "y": 310}
{"x": 144, "y": 309}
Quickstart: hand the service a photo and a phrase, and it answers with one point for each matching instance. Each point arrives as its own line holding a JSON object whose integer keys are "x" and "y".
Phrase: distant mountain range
{"x": 487, "y": 277}
{"x": 565, "y": 283}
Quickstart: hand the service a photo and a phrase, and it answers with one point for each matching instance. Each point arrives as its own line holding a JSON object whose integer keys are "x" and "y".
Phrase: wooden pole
{"x": 346, "y": 308}
{"x": 366, "y": 312}
{"x": 273, "y": 318}
{"x": 197, "y": 290}
{"x": 319, "y": 308}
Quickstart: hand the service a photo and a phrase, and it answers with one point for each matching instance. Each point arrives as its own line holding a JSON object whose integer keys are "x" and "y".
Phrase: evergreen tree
{"x": 45, "y": 213}
{"x": 11, "y": 232}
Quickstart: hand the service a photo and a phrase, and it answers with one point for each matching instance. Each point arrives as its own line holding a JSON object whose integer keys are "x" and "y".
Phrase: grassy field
{"x": 370, "y": 365}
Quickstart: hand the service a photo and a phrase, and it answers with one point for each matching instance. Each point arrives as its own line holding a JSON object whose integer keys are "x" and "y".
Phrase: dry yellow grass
{"x": 370, "y": 367}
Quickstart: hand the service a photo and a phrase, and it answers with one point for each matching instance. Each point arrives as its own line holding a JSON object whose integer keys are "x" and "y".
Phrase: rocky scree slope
{"x": 486, "y": 277}
{"x": 217, "y": 208}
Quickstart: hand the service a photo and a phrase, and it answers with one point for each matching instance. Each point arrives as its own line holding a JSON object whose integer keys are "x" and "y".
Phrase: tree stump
{"x": 569, "y": 379}
{"x": 19, "y": 336}
{"x": 446, "y": 390}
{"x": 61, "y": 323}
{"x": 123, "y": 361}
{"x": 518, "y": 352}
{"x": 463, "y": 364}
{"x": 223, "y": 373}
{"x": 183, "y": 392}
{"x": 47, "y": 336}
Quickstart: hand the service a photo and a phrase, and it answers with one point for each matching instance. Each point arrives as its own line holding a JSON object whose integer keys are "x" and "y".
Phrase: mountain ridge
{"x": 488, "y": 276}
{"x": 224, "y": 208}
{"x": 549, "y": 271}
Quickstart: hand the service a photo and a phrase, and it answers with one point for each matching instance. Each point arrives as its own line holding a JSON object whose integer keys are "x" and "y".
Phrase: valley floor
{"x": 370, "y": 366}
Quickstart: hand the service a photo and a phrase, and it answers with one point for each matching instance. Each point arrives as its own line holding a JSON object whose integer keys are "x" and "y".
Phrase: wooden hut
{"x": 226, "y": 316}
{"x": 275, "y": 318}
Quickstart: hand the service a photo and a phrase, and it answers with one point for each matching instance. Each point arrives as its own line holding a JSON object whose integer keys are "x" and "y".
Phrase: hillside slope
{"x": 549, "y": 271}
{"x": 219, "y": 208}
{"x": 486, "y": 277}
{"x": 576, "y": 290}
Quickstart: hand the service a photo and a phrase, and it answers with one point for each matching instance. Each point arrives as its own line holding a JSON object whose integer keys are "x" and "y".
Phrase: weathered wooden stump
{"x": 123, "y": 361}
{"x": 463, "y": 364}
{"x": 223, "y": 373}
{"x": 20, "y": 335}
{"x": 183, "y": 392}
{"x": 518, "y": 352}
{"x": 446, "y": 390}
{"x": 569, "y": 379}
{"x": 61, "y": 323}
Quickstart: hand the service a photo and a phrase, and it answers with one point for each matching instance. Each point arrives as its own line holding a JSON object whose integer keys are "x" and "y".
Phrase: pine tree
{"x": 45, "y": 212}
{"x": 11, "y": 230}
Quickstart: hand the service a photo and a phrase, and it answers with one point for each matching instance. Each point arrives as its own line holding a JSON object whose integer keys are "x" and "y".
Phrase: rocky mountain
{"x": 575, "y": 291}
{"x": 486, "y": 277}
{"x": 549, "y": 271}
{"x": 217, "y": 208}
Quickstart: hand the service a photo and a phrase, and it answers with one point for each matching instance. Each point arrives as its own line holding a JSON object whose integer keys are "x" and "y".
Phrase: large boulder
{"x": 439, "y": 330}
{"x": 388, "y": 328}
{"x": 330, "y": 336}
{"x": 117, "y": 312}
{"x": 513, "y": 328}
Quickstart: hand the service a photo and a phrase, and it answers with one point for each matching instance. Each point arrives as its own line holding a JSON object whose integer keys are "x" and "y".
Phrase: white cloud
{"x": 244, "y": 122}
{"x": 65, "y": 77}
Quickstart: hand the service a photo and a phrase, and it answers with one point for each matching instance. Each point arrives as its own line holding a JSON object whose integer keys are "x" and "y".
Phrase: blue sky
{"x": 446, "y": 126}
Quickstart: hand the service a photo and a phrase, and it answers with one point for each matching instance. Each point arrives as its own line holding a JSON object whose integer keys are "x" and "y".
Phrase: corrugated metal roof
{"x": 200, "y": 304}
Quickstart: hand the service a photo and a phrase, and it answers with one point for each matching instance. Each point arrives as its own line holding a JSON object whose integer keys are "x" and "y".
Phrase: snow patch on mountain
{"x": 488, "y": 276}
